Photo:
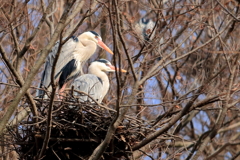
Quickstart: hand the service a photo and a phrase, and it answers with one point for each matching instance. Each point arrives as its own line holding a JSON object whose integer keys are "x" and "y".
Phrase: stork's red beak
{"x": 102, "y": 45}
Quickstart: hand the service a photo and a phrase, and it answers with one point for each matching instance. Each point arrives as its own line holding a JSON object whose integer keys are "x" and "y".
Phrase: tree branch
{"x": 34, "y": 70}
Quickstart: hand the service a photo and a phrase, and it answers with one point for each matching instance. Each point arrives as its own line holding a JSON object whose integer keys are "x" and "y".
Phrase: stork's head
{"x": 104, "y": 65}
{"x": 92, "y": 35}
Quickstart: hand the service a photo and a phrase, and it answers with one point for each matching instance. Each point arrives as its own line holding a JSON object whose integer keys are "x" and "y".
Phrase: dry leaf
{"x": 123, "y": 138}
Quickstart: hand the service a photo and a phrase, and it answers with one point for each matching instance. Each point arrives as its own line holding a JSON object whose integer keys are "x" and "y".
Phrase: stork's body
{"x": 96, "y": 82}
{"x": 74, "y": 53}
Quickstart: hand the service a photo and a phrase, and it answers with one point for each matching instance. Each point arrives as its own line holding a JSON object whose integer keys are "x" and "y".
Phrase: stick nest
{"x": 77, "y": 129}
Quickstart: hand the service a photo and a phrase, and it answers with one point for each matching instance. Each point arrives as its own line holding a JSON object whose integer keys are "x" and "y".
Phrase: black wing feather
{"x": 66, "y": 72}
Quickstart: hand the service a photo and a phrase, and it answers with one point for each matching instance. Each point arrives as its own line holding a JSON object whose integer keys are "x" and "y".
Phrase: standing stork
{"x": 74, "y": 53}
{"x": 96, "y": 82}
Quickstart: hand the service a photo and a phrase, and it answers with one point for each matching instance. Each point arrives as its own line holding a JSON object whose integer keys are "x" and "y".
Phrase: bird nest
{"x": 77, "y": 129}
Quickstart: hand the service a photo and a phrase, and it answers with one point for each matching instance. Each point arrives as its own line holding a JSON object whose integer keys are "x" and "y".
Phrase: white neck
{"x": 96, "y": 71}
{"x": 85, "y": 48}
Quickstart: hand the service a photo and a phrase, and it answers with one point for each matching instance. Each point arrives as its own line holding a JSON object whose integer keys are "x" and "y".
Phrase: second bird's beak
{"x": 122, "y": 70}
{"x": 117, "y": 69}
{"x": 103, "y": 46}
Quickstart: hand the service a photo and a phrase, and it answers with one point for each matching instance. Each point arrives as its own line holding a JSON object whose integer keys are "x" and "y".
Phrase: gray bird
{"x": 74, "y": 53}
{"x": 144, "y": 28}
{"x": 96, "y": 82}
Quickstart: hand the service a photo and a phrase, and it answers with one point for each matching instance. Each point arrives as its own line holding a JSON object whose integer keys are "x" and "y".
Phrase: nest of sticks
{"x": 77, "y": 129}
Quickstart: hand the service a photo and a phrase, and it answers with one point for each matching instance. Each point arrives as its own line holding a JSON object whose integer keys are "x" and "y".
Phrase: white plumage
{"x": 96, "y": 82}
{"x": 74, "y": 53}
